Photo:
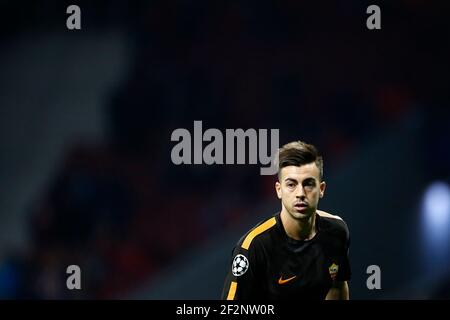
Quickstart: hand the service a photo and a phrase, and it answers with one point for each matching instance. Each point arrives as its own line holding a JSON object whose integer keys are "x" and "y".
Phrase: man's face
{"x": 300, "y": 189}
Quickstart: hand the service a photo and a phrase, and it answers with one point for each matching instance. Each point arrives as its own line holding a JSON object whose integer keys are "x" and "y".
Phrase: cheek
{"x": 286, "y": 201}
{"x": 314, "y": 194}
{"x": 288, "y": 196}
{"x": 283, "y": 194}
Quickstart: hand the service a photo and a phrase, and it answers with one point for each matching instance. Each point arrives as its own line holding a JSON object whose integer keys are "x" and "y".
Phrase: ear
{"x": 278, "y": 189}
{"x": 322, "y": 186}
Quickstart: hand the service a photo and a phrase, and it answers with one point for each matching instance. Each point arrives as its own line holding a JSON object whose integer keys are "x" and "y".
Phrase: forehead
{"x": 300, "y": 173}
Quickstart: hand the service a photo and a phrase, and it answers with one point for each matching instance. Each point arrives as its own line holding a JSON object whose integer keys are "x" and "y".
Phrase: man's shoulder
{"x": 334, "y": 223}
{"x": 325, "y": 214}
{"x": 257, "y": 234}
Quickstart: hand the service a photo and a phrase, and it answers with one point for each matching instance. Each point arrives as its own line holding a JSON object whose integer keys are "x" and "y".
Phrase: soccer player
{"x": 300, "y": 252}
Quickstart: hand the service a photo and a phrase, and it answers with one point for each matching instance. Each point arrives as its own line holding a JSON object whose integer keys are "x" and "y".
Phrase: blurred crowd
{"x": 123, "y": 211}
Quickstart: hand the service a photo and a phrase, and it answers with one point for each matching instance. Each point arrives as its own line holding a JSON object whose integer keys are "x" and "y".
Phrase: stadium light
{"x": 436, "y": 221}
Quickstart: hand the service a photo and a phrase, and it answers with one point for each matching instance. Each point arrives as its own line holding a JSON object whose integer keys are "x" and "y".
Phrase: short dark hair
{"x": 298, "y": 153}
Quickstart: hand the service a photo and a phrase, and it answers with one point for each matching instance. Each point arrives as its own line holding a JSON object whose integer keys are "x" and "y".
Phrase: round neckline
{"x": 295, "y": 241}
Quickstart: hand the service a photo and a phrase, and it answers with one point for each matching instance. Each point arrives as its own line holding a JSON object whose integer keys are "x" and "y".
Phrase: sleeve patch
{"x": 240, "y": 265}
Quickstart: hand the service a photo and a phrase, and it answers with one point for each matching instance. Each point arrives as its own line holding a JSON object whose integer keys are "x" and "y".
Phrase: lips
{"x": 300, "y": 205}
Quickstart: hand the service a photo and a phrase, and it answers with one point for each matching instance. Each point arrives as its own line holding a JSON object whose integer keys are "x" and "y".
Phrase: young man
{"x": 299, "y": 253}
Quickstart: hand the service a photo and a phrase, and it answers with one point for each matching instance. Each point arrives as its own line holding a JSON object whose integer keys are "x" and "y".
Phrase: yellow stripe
{"x": 258, "y": 230}
{"x": 232, "y": 290}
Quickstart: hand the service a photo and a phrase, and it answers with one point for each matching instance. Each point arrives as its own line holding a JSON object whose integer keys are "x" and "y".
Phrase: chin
{"x": 300, "y": 215}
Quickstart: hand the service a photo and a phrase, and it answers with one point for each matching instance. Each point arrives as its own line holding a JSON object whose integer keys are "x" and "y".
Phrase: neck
{"x": 298, "y": 229}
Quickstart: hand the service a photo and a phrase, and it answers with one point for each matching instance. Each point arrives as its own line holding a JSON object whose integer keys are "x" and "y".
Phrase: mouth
{"x": 301, "y": 206}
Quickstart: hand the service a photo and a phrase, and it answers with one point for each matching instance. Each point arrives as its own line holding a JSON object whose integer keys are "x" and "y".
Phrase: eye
{"x": 290, "y": 184}
{"x": 309, "y": 184}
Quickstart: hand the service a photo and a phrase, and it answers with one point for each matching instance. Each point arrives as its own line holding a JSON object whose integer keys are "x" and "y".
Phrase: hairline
{"x": 301, "y": 165}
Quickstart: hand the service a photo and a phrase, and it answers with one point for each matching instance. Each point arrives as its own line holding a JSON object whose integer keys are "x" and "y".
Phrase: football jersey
{"x": 267, "y": 264}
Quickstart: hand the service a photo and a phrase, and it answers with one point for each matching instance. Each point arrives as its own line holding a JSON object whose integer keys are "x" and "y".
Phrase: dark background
{"x": 86, "y": 118}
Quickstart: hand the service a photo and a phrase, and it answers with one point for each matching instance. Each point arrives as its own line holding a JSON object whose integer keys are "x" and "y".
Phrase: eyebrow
{"x": 305, "y": 180}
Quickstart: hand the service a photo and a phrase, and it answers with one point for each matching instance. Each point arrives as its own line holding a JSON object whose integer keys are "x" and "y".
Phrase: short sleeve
{"x": 241, "y": 282}
{"x": 344, "y": 273}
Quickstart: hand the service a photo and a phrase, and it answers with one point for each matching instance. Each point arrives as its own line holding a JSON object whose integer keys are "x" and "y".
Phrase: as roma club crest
{"x": 333, "y": 269}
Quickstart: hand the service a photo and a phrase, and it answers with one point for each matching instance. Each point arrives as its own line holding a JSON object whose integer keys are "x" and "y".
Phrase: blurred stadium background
{"x": 86, "y": 118}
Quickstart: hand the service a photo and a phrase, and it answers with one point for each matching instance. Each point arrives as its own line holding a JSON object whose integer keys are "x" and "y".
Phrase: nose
{"x": 300, "y": 193}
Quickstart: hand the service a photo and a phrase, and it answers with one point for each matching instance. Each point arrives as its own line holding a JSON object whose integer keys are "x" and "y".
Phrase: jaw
{"x": 292, "y": 213}
{"x": 301, "y": 216}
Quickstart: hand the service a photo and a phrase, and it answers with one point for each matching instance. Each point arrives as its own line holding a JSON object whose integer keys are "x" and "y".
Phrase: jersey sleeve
{"x": 242, "y": 280}
{"x": 344, "y": 273}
